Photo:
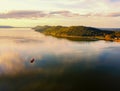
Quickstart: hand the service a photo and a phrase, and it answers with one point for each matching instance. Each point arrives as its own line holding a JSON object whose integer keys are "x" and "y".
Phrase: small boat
{"x": 32, "y": 60}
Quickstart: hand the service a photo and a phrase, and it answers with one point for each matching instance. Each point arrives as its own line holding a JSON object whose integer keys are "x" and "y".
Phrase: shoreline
{"x": 79, "y": 33}
{"x": 76, "y": 38}
{"x": 81, "y": 38}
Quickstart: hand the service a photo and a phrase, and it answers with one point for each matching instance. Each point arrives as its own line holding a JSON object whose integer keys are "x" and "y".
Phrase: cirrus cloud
{"x": 41, "y": 14}
{"x": 114, "y": 14}
{"x": 36, "y": 14}
{"x": 64, "y": 13}
{"x": 23, "y": 14}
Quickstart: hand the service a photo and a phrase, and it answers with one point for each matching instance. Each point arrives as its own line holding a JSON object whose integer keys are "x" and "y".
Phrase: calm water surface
{"x": 60, "y": 64}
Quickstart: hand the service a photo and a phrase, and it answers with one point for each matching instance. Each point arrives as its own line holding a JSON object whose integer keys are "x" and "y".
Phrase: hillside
{"x": 110, "y": 29}
{"x": 77, "y": 32}
{"x": 6, "y": 27}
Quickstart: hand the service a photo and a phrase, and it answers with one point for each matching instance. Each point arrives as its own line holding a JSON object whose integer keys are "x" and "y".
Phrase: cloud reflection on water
{"x": 60, "y": 64}
{"x": 19, "y": 46}
{"x": 11, "y": 63}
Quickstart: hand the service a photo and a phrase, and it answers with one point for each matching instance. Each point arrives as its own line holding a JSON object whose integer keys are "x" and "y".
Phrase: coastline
{"x": 82, "y": 38}
{"x": 79, "y": 33}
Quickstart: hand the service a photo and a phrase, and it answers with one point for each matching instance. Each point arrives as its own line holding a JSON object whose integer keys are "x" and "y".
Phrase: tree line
{"x": 81, "y": 31}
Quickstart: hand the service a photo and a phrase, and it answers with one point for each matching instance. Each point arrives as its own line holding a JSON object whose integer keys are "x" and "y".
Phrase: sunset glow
{"x": 96, "y": 13}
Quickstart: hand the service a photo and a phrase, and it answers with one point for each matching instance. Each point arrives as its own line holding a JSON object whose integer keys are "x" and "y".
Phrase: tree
{"x": 108, "y": 37}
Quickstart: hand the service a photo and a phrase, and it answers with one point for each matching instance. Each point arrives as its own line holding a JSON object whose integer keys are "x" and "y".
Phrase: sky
{"x": 30, "y": 13}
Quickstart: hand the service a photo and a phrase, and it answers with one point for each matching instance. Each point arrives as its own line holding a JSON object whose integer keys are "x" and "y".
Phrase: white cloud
{"x": 81, "y": 9}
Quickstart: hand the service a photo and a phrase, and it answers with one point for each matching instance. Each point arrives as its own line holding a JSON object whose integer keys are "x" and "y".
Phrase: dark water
{"x": 60, "y": 64}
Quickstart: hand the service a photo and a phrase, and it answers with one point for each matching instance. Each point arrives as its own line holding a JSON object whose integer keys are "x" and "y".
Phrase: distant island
{"x": 13, "y": 27}
{"x": 6, "y": 27}
{"x": 79, "y": 33}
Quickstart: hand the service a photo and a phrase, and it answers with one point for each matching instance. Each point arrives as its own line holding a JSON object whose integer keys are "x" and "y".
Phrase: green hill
{"x": 80, "y": 32}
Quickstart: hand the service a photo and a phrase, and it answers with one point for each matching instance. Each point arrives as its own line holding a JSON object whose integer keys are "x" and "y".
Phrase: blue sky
{"x": 97, "y": 13}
